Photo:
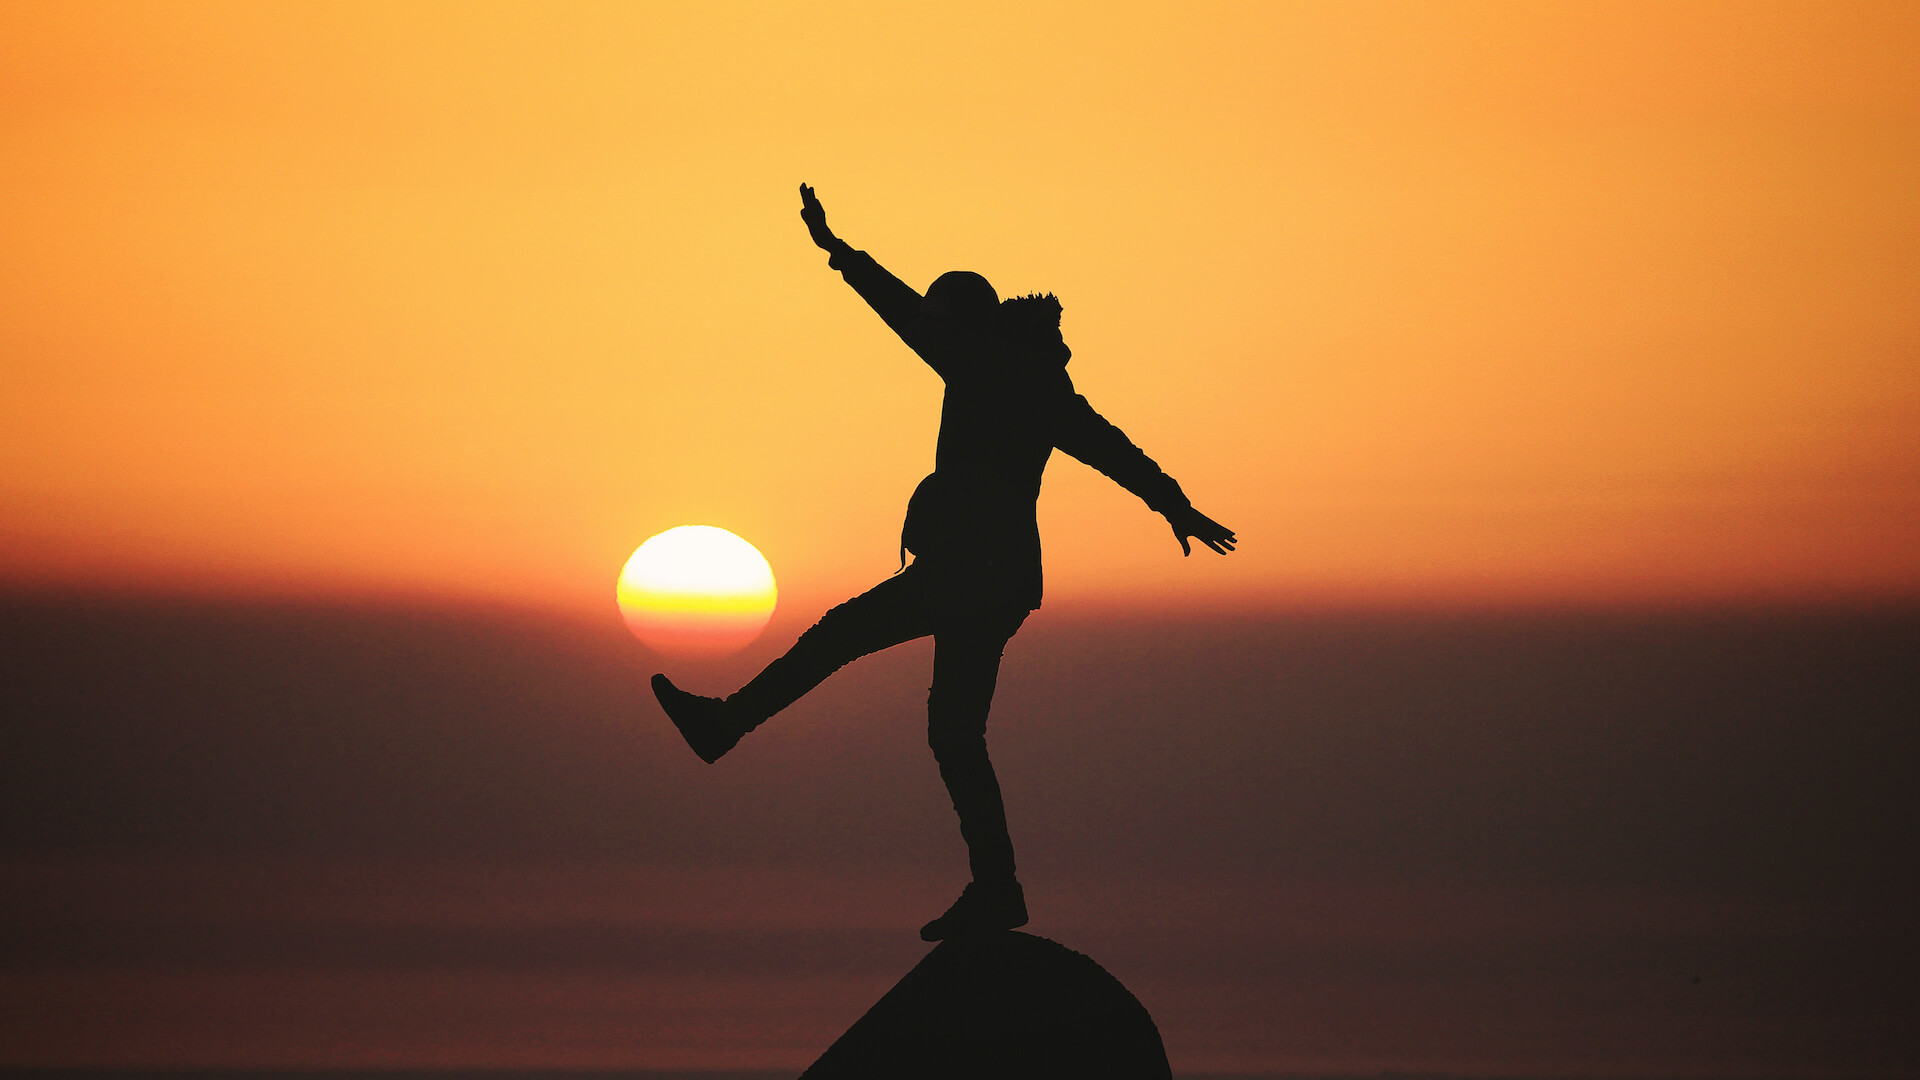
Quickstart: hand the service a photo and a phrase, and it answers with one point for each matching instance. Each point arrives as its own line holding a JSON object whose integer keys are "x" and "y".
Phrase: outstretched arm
{"x": 1087, "y": 435}
{"x": 892, "y": 299}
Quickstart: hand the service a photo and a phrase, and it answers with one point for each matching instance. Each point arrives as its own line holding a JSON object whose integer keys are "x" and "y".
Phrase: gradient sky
{"x": 325, "y": 329}
{"x": 1484, "y": 303}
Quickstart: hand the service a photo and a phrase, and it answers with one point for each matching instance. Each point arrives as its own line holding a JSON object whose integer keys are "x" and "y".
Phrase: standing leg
{"x": 885, "y": 615}
{"x": 966, "y": 667}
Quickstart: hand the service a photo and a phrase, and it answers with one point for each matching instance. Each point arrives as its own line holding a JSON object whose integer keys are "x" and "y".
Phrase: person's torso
{"x": 976, "y": 513}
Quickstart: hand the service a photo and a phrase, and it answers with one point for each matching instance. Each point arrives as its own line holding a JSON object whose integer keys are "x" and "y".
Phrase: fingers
{"x": 1221, "y": 539}
{"x": 1194, "y": 525}
{"x": 1217, "y": 539}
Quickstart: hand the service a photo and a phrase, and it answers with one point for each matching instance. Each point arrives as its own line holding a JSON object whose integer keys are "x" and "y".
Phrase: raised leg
{"x": 884, "y": 616}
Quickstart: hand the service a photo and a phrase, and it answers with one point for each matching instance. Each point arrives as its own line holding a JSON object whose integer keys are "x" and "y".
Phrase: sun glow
{"x": 696, "y": 591}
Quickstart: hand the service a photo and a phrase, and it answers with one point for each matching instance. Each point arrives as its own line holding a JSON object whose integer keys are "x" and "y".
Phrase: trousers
{"x": 970, "y": 631}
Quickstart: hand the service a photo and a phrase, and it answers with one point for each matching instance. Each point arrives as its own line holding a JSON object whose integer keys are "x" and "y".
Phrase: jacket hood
{"x": 1033, "y": 321}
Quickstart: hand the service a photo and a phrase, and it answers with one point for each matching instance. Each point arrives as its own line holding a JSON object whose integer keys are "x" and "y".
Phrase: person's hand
{"x": 1192, "y": 523}
{"x": 815, "y": 216}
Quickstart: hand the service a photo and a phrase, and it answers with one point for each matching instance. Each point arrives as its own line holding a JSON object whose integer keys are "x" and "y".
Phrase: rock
{"x": 1001, "y": 1005}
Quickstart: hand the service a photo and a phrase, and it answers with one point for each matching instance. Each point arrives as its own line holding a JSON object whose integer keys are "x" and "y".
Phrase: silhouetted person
{"x": 976, "y": 545}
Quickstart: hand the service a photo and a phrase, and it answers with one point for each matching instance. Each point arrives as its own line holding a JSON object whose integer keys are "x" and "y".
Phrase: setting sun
{"x": 696, "y": 590}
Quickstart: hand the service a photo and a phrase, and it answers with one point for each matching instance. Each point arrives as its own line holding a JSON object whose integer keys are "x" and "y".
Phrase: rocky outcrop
{"x": 1002, "y": 1005}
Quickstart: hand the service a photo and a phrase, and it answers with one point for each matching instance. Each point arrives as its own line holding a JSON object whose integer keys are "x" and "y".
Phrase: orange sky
{"x": 1587, "y": 303}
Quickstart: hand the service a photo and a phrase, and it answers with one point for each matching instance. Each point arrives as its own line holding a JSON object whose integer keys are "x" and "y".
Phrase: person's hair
{"x": 966, "y": 294}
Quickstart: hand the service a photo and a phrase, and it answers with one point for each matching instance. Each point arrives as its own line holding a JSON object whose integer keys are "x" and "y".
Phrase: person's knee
{"x": 840, "y": 623}
{"x": 957, "y": 747}
{"x": 955, "y": 734}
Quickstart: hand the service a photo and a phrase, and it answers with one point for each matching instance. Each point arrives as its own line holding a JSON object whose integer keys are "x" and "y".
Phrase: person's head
{"x": 959, "y": 298}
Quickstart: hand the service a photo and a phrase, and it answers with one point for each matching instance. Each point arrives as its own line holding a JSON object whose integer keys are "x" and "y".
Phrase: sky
{"x": 1459, "y": 304}
{"x": 1555, "y": 363}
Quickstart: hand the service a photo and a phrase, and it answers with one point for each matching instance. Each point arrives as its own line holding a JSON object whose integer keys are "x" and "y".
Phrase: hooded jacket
{"x": 1009, "y": 404}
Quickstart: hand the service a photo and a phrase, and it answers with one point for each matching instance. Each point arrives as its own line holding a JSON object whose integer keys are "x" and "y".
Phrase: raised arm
{"x": 1090, "y": 437}
{"x": 896, "y": 302}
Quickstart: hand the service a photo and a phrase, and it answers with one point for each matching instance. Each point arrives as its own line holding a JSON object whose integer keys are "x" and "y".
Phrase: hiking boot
{"x": 980, "y": 909}
{"x": 702, "y": 721}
